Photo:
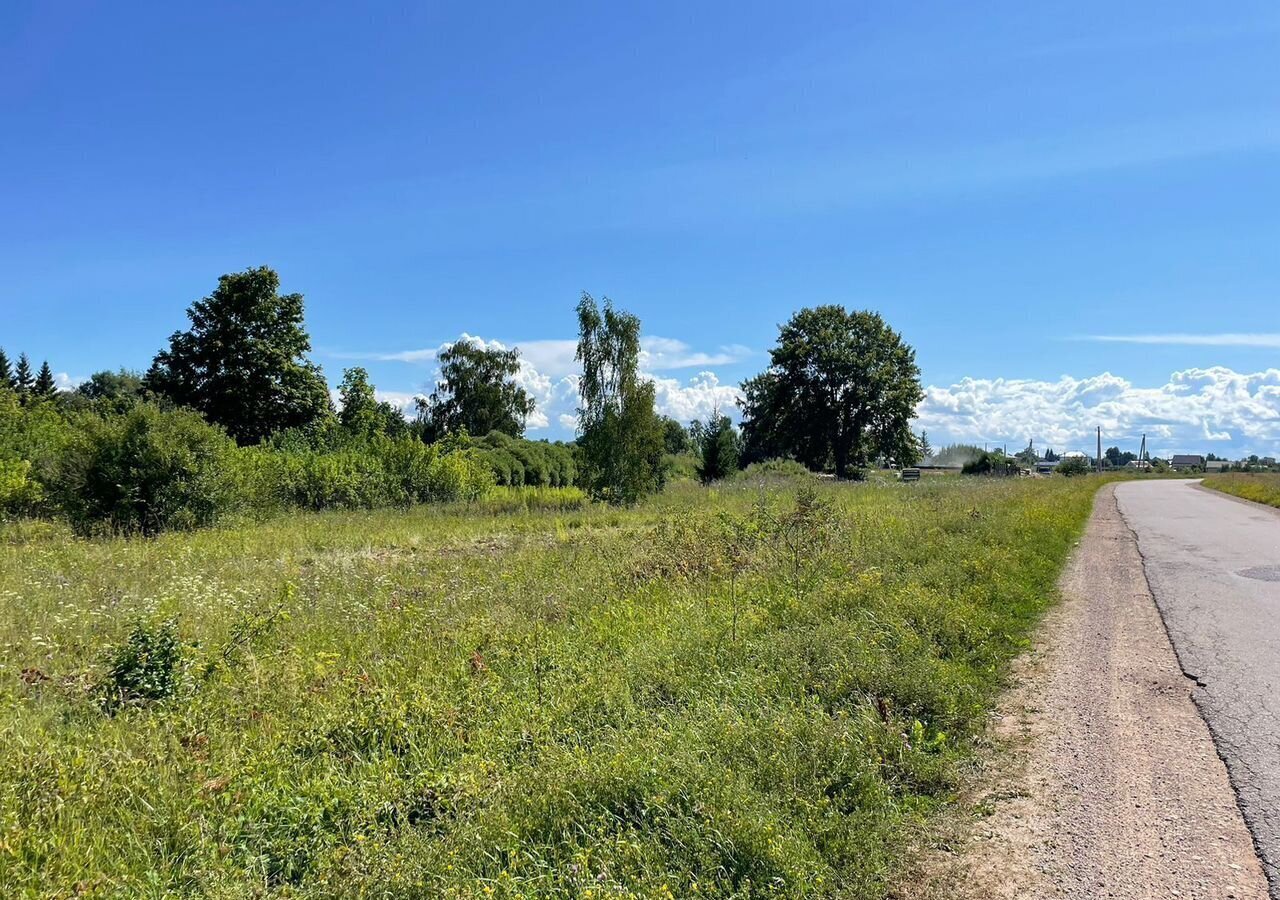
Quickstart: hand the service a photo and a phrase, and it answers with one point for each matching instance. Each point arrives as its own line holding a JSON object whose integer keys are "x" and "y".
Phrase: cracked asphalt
{"x": 1213, "y": 565}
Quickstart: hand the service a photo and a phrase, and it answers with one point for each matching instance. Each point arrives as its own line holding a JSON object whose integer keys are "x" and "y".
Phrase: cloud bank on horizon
{"x": 1213, "y": 409}
{"x": 1195, "y": 410}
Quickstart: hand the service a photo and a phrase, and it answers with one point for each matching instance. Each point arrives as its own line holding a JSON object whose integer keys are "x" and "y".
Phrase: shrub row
{"x": 150, "y": 469}
{"x": 379, "y": 472}
{"x": 517, "y": 463}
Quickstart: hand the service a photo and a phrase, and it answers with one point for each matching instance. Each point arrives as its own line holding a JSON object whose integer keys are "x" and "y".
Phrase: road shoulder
{"x": 1106, "y": 782}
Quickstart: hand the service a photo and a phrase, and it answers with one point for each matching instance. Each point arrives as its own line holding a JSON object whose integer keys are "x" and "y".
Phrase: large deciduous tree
{"x": 362, "y": 415}
{"x": 359, "y": 405}
{"x": 840, "y": 391}
{"x": 242, "y": 363}
{"x": 675, "y": 437}
{"x": 121, "y": 389}
{"x": 476, "y": 392}
{"x": 620, "y": 435}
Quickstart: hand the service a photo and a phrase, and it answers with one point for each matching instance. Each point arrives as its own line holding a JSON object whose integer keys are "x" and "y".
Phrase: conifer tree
{"x": 718, "y": 450}
{"x": 45, "y": 387}
{"x": 6, "y": 372}
{"x": 23, "y": 380}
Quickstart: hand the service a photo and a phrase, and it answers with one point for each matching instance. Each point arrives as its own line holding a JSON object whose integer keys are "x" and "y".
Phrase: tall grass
{"x": 1256, "y": 487}
{"x": 571, "y": 702}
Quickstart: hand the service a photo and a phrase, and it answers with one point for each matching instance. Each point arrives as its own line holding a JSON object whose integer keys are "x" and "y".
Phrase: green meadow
{"x": 1256, "y": 487}
{"x": 769, "y": 688}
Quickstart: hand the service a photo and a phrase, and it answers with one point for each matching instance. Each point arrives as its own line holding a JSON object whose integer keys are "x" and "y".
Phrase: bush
{"x": 776, "y": 468}
{"x": 380, "y": 472}
{"x": 147, "y": 471}
{"x": 151, "y": 469}
{"x": 991, "y": 463}
{"x": 143, "y": 669}
{"x": 18, "y": 491}
{"x": 454, "y": 476}
{"x": 516, "y": 462}
{"x": 1072, "y": 465}
{"x": 33, "y": 439}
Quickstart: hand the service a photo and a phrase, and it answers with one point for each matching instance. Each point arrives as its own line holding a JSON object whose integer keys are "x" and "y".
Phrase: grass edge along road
{"x": 756, "y": 690}
{"x": 1263, "y": 489}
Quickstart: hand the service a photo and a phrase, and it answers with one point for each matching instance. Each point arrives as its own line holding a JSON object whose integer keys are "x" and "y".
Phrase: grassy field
{"x": 1258, "y": 488}
{"x": 738, "y": 692}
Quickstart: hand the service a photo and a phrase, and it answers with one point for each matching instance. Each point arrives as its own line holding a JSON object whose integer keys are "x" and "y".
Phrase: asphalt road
{"x": 1213, "y": 564}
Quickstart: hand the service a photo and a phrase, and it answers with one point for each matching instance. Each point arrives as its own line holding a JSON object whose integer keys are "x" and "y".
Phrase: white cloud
{"x": 406, "y": 403}
{"x": 1194, "y": 407}
{"x": 698, "y": 398}
{"x": 556, "y": 357}
{"x": 552, "y": 358}
{"x": 1270, "y": 340}
{"x": 660, "y": 353}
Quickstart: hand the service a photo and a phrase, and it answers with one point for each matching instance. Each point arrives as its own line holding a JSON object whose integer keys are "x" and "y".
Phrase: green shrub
{"x": 379, "y": 472}
{"x": 338, "y": 479}
{"x": 145, "y": 668}
{"x": 680, "y": 466}
{"x": 991, "y": 463}
{"x": 147, "y": 471}
{"x": 150, "y": 469}
{"x": 776, "y": 468}
{"x": 516, "y": 462}
{"x": 458, "y": 475}
{"x": 18, "y": 490}
{"x": 1072, "y": 465}
{"x": 33, "y": 440}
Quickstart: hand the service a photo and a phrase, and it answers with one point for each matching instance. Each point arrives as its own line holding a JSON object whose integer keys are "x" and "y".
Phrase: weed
{"x": 144, "y": 668}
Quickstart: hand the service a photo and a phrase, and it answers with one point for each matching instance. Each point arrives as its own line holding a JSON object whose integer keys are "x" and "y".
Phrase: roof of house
{"x": 1187, "y": 459}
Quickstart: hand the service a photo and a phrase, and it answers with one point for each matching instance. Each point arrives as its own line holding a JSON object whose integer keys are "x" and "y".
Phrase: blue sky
{"x": 1001, "y": 181}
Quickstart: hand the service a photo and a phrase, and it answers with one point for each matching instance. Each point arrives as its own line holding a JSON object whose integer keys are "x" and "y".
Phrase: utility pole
{"x": 1099, "y": 463}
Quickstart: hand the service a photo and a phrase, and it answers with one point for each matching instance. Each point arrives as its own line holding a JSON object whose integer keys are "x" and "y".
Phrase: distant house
{"x": 1142, "y": 464}
{"x": 1181, "y": 462}
{"x": 1268, "y": 460}
{"x": 1217, "y": 465}
{"x": 1046, "y": 466}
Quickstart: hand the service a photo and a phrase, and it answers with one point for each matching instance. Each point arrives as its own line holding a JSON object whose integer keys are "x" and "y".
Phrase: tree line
{"x": 28, "y": 387}
{"x": 232, "y": 407}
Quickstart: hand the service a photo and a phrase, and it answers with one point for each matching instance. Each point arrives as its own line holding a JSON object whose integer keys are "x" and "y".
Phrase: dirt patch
{"x": 1109, "y": 784}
